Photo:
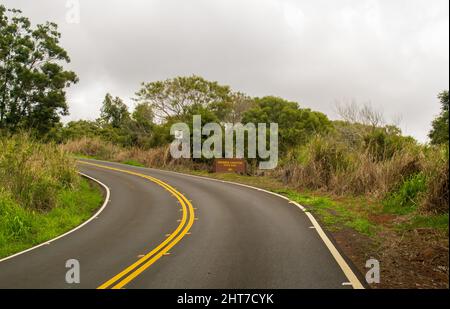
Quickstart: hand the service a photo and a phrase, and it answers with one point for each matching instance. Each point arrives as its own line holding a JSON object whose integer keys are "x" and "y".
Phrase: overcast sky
{"x": 393, "y": 53}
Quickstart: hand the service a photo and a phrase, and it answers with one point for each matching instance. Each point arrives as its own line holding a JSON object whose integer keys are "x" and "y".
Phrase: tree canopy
{"x": 32, "y": 78}
{"x": 172, "y": 97}
{"x": 439, "y": 132}
{"x": 114, "y": 112}
{"x": 296, "y": 125}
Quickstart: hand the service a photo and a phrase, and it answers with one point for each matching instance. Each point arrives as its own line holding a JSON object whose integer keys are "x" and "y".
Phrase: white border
{"x": 73, "y": 230}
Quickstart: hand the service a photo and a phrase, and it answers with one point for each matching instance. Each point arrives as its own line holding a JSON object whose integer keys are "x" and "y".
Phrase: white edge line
{"x": 346, "y": 269}
{"x": 337, "y": 256}
{"x": 48, "y": 242}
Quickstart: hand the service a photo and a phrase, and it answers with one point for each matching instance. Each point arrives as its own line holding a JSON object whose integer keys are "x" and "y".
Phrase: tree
{"x": 172, "y": 97}
{"x": 81, "y": 128}
{"x": 439, "y": 132}
{"x": 365, "y": 114}
{"x": 32, "y": 78}
{"x": 114, "y": 112}
{"x": 233, "y": 110}
{"x": 143, "y": 115}
{"x": 296, "y": 126}
{"x": 141, "y": 126}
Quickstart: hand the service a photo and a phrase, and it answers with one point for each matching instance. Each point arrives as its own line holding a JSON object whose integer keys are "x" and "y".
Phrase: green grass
{"x": 133, "y": 163}
{"x": 346, "y": 212}
{"x": 22, "y": 228}
{"x": 82, "y": 156}
{"x": 436, "y": 222}
{"x": 334, "y": 214}
{"x": 406, "y": 199}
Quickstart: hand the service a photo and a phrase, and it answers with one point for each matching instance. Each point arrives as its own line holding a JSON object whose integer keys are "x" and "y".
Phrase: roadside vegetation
{"x": 378, "y": 192}
{"x": 359, "y": 156}
{"x": 41, "y": 194}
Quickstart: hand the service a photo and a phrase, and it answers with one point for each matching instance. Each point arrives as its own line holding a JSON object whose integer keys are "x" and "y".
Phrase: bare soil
{"x": 416, "y": 259}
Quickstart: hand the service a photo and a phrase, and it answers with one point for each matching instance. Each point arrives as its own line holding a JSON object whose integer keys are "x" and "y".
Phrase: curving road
{"x": 167, "y": 230}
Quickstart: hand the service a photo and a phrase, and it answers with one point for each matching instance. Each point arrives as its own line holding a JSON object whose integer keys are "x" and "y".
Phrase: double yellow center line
{"x": 187, "y": 220}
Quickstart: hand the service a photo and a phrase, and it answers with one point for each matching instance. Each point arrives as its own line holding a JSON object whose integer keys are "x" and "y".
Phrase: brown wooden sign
{"x": 230, "y": 166}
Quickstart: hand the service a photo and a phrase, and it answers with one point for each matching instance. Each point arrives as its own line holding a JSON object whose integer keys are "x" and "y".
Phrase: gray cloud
{"x": 392, "y": 53}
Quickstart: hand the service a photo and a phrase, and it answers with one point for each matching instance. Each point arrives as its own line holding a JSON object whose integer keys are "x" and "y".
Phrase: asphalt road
{"x": 183, "y": 232}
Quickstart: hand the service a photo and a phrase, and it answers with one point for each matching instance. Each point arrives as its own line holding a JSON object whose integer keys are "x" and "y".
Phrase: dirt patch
{"x": 416, "y": 259}
{"x": 356, "y": 247}
{"x": 382, "y": 219}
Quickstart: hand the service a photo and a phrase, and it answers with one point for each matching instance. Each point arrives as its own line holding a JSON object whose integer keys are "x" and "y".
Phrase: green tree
{"x": 141, "y": 127}
{"x": 439, "y": 132}
{"x": 296, "y": 125}
{"x": 233, "y": 110}
{"x": 32, "y": 78}
{"x": 114, "y": 112}
{"x": 81, "y": 128}
{"x": 143, "y": 115}
{"x": 172, "y": 97}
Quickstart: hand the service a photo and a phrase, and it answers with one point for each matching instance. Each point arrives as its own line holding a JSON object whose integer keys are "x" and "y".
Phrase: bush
{"x": 407, "y": 198}
{"x": 384, "y": 143}
{"x": 437, "y": 170}
{"x": 354, "y": 159}
{"x": 319, "y": 162}
{"x": 92, "y": 147}
{"x": 156, "y": 157}
{"x": 15, "y": 220}
{"x": 34, "y": 173}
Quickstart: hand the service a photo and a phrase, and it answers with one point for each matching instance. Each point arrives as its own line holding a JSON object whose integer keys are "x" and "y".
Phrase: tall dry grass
{"x": 157, "y": 157}
{"x": 436, "y": 198}
{"x": 330, "y": 165}
{"x": 32, "y": 173}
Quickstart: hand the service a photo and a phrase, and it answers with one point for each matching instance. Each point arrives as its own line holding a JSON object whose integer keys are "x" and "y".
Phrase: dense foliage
{"x": 32, "y": 78}
{"x": 439, "y": 132}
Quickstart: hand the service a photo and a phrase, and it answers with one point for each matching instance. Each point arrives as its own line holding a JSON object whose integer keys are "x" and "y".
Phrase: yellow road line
{"x": 151, "y": 257}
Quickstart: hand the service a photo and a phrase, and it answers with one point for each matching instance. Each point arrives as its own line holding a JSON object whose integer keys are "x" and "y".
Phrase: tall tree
{"x": 114, "y": 112}
{"x": 233, "y": 110}
{"x": 172, "y": 97}
{"x": 439, "y": 132}
{"x": 32, "y": 78}
{"x": 143, "y": 115}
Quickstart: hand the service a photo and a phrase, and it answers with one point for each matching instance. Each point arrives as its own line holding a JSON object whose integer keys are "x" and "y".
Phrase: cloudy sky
{"x": 393, "y": 53}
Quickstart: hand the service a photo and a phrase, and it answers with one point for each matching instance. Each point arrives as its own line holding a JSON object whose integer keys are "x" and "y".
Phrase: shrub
{"x": 407, "y": 197}
{"x": 34, "y": 173}
{"x": 156, "y": 157}
{"x": 346, "y": 162}
{"x": 437, "y": 170}
{"x": 92, "y": 147}
{"x": 383, "y": 143}
{"x": 15, "y": 221}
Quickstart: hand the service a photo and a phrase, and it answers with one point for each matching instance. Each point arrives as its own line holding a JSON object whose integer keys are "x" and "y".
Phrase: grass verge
{"x": 22, "y": 228}
{"x": 133, "y": 163}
